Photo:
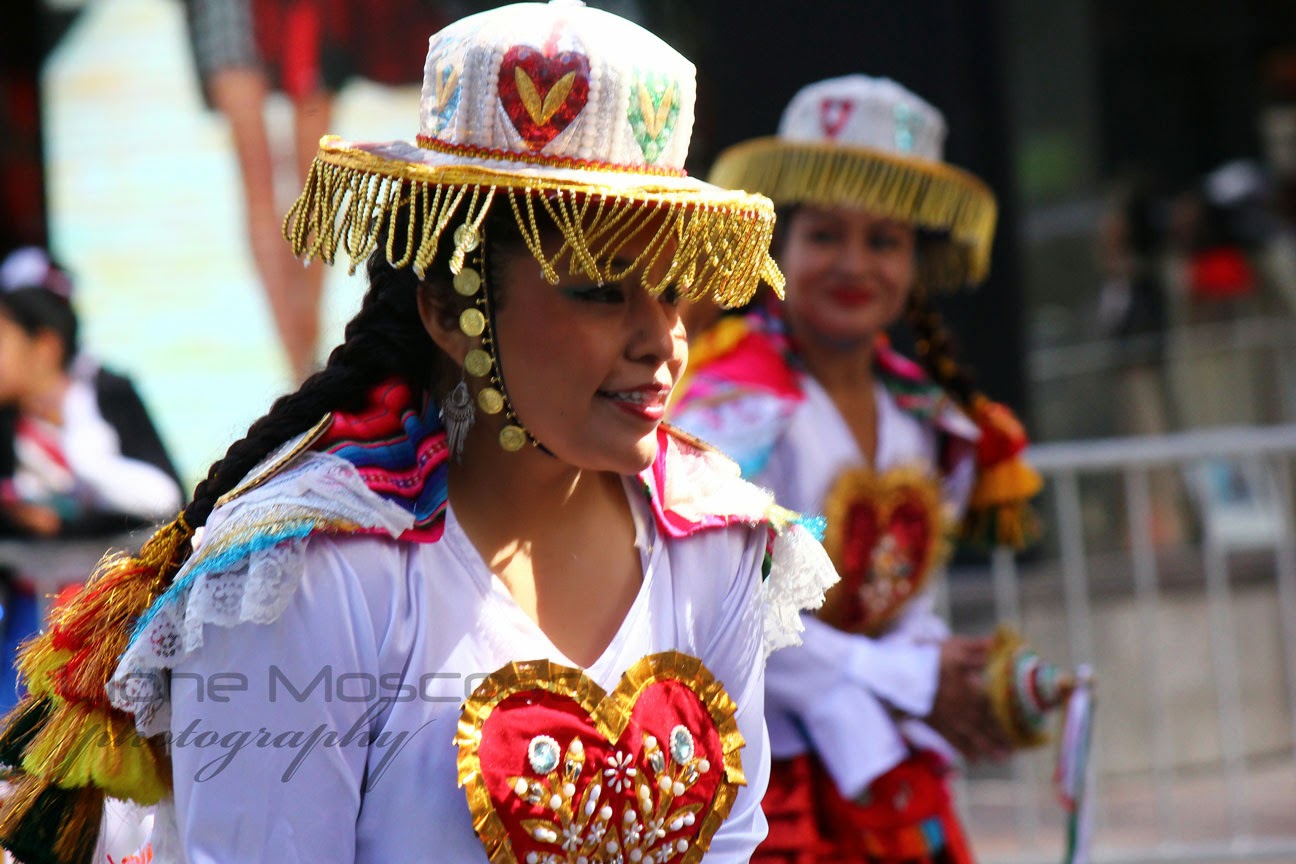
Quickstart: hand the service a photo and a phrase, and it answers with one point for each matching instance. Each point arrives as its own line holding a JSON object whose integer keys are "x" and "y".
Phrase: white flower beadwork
{"x": 620, "y": 773}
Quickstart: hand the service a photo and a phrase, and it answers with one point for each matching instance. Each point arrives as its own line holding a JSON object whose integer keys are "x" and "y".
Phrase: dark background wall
{"x": 1183, "y": 83}
{"x": 22, "y": 199}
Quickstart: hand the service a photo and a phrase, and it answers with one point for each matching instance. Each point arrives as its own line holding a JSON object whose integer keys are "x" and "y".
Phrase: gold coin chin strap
{"x": 479, "y": 322}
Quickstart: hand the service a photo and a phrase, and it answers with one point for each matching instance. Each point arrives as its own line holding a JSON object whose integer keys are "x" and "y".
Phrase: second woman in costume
{"x": 868, "y": 717}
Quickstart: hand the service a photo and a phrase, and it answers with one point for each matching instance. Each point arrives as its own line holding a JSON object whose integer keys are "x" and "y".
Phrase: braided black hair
{"x": 937, "y": 350}
{"x": 386, "y": 338}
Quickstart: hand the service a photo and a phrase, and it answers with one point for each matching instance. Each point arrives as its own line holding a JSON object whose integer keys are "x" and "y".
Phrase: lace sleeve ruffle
{"x": 246, "y": 569}
{"x": 800, "y": 572}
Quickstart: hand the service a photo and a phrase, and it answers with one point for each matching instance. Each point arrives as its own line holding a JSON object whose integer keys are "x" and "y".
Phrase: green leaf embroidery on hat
{"x": 446, "y": 90}
{"x": 653, "y": 111}
{"x": 907, "y": 124}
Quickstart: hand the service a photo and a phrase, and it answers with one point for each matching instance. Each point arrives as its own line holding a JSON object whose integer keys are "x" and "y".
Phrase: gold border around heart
{"x": 886, "y": 490}
{"x": 610, "y": 714}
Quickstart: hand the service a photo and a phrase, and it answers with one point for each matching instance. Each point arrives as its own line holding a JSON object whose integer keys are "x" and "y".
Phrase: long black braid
{"x": 386, "y": 338}
{"x": 937, "y": 350}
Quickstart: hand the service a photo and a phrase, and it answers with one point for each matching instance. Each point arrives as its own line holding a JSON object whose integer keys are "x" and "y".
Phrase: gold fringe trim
{"x": 717, "y": 241}
{"x": 931, "y": 195}
{"x": 610, "y": 714}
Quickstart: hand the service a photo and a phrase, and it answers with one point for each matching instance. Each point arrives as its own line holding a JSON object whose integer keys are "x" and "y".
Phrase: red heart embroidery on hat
{"x": 885, "y": 536}
{"x": 833, "y": 114}
{"x": 555, "y": 770}
{"x": 542, "y": 94}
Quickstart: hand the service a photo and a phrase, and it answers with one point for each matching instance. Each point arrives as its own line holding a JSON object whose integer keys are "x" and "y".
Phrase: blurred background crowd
{"x": 1140, "y": 313}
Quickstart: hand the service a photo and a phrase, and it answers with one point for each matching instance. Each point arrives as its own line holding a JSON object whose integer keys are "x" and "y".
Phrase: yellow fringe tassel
{"x": 39, "y": 663}
{"x": 85, "y": 742}
{"x": 81, "y": 746}
{"x": 928, "y": 194}
{"x": 1006, "y": 482}
{"x": 1002, "y": 689}
{"x": 718, "y": 248}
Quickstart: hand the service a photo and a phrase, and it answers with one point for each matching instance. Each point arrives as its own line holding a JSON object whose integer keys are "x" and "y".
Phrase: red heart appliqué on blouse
{"x": 885, "y": 536}
{"x": 555, "y": 770}
{"x": 542, "y": 94}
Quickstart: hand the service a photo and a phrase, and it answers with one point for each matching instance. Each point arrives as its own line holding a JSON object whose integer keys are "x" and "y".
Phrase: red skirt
{"x": 906, "y": 817}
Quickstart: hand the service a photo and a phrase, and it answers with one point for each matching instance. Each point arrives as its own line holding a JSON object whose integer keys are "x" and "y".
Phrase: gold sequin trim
{"x": 717, "y": 240}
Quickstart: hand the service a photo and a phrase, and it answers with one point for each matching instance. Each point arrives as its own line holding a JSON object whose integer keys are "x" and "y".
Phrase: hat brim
{"x": 356, "y": 192}
{"x": 924, "y": 193}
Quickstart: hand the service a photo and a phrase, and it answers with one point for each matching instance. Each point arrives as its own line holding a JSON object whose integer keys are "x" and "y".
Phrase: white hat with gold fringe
{"x": 571, "y": 117}
{"x": 864, "y": 142}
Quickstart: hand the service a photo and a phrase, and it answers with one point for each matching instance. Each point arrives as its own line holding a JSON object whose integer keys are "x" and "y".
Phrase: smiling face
{"x": 849, "y": 273}
{"x": 588, "y": 368}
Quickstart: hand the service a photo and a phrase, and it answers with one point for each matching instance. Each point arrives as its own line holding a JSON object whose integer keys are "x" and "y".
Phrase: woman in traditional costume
{"x": 868, "y": 716}
{"x": 462, "y": 596}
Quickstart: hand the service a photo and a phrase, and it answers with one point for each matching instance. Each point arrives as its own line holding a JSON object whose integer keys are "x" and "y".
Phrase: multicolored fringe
{"x": 999, "y": 512}
{"x": 927, "y": 194}
{"x": 717, "y": 247}
{"x": 65, "y": 745}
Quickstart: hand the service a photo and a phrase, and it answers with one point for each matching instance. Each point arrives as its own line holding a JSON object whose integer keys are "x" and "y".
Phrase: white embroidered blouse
{"x": 315, "y": 720}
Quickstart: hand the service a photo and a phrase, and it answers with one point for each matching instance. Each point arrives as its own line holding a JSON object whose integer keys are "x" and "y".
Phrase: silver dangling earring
{"x": 458, "y": 415}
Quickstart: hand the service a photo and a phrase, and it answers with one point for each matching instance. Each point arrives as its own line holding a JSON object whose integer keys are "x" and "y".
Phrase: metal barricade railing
{"x": 1103, "y": 590}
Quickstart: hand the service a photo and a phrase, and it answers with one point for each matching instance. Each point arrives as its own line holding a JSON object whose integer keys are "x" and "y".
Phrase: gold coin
{"x": 467, "y": 281}
{"x": 512, "y": 438}
{"x": 477, "y": 362}
{"x": 490, "y": 400}
{"x": 472, "y": 322}
{"x": 466, "y": 238}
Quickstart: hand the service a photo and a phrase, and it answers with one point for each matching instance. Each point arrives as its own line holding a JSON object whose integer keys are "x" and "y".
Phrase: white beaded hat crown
{"x": 579, "y": 118}
{"x": 864, "y": 142}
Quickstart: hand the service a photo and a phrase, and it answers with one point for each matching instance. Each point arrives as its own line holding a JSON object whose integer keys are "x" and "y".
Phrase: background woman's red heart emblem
{"x": 542, "y": 94}
{"x": 886, "y": 536}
